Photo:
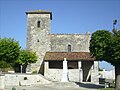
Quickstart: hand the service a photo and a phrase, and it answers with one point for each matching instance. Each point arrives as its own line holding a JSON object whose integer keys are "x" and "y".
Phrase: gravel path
{"x": 58, "y": 86}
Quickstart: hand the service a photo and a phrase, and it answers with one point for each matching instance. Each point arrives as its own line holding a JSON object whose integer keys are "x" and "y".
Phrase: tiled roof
{"x": 40, "y": 12}
{"x": 68, "y": 56}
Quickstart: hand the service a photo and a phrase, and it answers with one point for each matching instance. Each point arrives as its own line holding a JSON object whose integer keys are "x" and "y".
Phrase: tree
{"x": 26, "y": 57}
{"x": 105, "y": 45}
{"x": 9, "y": 51}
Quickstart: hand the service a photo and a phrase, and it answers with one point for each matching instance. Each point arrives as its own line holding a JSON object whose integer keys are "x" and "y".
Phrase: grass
{"x": 108, "y": 89}
{"x": 6, "y": 69}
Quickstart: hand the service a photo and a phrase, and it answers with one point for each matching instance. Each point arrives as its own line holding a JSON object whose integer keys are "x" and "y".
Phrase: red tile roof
{"x": 68, "y": 56}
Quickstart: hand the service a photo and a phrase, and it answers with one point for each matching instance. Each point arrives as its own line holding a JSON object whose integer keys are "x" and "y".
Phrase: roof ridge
{"x": 39, "y": 11}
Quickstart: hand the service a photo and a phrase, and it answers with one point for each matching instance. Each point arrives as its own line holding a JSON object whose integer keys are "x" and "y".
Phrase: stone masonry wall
{"x": 56, "y": 74}
{"x": 78, "y": 42}
{"x": 18, "y": 79}
{"x": 37, "y": 38}
{"x": 40, "y": 40}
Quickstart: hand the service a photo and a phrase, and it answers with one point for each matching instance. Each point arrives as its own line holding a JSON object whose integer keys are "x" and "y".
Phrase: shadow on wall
{"x": 41, "y": 70}
{"x": 90, "y": 86}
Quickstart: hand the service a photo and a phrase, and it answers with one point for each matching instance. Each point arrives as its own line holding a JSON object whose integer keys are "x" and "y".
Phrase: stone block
{"x": 25, "y": 83}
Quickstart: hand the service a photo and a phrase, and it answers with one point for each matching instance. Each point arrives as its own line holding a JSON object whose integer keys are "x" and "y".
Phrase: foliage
{"x": 12, "y": 57}
{"x": 105, "y": 45}
{"x": 9, "y": 51}
{"x": 113, "y": 55}
{"x": 4, "y": 64}
{"x": 34, "y": 72}
{"x": 26, "y": 57}
{"x": 108, "y": 89}
{"x": 98, "y": 43}
{"x": 5, "y": 67}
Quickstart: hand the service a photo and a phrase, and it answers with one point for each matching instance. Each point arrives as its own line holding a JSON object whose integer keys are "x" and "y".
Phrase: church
{"x": 59, "y": 55}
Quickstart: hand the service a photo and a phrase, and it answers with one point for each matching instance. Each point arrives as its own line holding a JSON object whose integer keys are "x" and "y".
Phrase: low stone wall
{"x": 107, "y": 74}
{"x": 2, "y": 81}
{"x": 56, "y": 75}
{"x": 73, "y": 75}
{"x": 24, "y": 79}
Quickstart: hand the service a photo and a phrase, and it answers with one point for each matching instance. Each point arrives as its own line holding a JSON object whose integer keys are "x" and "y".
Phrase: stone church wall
{"x": 78, "y": 42}
{"x": 38, "y": 39}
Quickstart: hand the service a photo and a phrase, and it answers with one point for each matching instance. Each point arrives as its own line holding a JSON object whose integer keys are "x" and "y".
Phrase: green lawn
{"x": 108, "y": 89}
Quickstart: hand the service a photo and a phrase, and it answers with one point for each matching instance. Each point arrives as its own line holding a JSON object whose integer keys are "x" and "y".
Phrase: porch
{"x": 78, "y": 69}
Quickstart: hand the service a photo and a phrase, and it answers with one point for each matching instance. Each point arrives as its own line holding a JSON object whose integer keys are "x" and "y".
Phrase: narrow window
{"x": 69, "y": 48}
{"x": 37, "y": 40}
{"x": 38, "y": 24}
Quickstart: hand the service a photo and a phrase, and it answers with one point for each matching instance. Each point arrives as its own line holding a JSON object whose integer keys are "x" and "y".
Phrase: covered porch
{"x": 81, "y": 67}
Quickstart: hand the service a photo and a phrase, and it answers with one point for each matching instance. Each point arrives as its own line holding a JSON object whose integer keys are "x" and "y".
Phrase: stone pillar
{"x": 65, "y": 71}
{"x": 103, "y": 73}
{"x": 80, "y": 71}
{"x": 46, "y": 67}
{"x": 2, "y": 82}
{"x": 94, "y": 73}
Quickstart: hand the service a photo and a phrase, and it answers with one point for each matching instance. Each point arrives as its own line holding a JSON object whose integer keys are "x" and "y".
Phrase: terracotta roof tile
{"x": 68, "y": 56}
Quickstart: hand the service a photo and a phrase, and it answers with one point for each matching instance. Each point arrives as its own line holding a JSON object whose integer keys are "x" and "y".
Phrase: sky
{"x": 68, "y": 16}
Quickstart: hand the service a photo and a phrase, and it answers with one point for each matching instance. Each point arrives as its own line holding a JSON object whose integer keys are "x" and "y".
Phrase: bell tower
{"x": 38, "y": 30}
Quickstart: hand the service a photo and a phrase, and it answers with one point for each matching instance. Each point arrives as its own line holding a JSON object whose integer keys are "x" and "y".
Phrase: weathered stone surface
{"x": 78, "y": 42}
{"x": 94, "y": 73}
{"x": 19, "y": 79}
{"x": 40, "y": 40}
{"x": 2, "y": 82}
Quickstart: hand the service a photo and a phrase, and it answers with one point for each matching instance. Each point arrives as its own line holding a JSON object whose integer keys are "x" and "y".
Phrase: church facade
{"x": 52, "y": 49}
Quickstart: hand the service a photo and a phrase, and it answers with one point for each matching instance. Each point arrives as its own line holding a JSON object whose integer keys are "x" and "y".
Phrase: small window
{"x": 69, "y": 48}
{"x": 56, "y": 64}
{"x": 38, "y": 40}
{"x": 73, "y": 65}
{"x": 38, "y": 24}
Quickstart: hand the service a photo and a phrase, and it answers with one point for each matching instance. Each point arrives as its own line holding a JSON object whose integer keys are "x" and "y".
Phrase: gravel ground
{"x": 58, "y": 86}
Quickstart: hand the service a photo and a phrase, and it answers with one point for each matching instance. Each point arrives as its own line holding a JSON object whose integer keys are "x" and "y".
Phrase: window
{"x": 73, "y": 65}
{"x": 56, "y": 64}
{"x": 38, "y": 24}
{"x": 69, "y": 48}
{"x": 38, "y": 40}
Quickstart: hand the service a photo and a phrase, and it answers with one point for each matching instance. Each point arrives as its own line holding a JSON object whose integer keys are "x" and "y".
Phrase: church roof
{"x": 40, "y": 12}
{"x": 68, "y": 55}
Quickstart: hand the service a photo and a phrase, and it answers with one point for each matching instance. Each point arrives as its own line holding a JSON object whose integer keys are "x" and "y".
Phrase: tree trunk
{"x": 117, "y": 77}
{"x": 24, "y": 68}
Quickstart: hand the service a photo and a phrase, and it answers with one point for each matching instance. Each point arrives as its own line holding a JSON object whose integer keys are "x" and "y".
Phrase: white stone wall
{"x": 94, "y": 73}
{"x": 73, "y": 75}
{"x": 56, "y": 74}
{"x": 18, "y": 79}
{"x": 107, "y": 74}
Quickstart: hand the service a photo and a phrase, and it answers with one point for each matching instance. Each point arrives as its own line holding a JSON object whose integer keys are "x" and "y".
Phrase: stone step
{"x": 66, "y": 84}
